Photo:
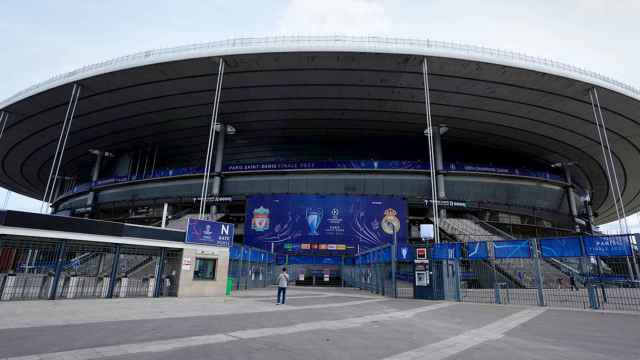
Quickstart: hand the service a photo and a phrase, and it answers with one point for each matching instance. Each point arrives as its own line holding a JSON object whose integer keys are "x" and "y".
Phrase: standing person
{"x": 572, "y": 282}
{"x": 283, "y": 281}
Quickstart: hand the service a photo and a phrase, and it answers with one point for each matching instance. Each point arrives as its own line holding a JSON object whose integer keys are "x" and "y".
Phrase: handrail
{"x": 309, "y": 43}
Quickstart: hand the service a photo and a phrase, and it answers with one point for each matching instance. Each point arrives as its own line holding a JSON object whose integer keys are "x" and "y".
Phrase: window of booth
{"x": 205, "y": 269}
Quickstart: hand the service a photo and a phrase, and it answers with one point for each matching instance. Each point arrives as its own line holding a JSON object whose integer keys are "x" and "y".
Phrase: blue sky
{"x": 43, "y": 38}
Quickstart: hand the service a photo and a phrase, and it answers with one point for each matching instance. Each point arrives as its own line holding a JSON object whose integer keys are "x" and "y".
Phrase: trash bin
{"x": 229, "y": 286}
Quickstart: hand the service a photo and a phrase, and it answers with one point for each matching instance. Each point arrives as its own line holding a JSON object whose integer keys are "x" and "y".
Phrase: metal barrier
{"x": 62, "y": 269}
{"x": 558, "y": 272}
{"x": 251, "y": 268}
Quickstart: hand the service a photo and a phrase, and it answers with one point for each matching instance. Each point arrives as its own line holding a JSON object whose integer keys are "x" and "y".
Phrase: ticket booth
{"x": 425, "y": 278}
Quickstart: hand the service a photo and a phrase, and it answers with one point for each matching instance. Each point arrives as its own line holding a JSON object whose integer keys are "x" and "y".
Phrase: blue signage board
{"x": 327, "y": 225}
{"x": 477, "y": 250}
{"x": 510, "y": 249}
{"x": 211, "y": 233}
{"x": 446, "y": 251}
{"x": 614, "y": 245}
{"x": 405, "y": 253}
{"x": 562, "y": 247}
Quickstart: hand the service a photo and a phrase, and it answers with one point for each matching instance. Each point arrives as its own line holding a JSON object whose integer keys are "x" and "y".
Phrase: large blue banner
{"x": 562, "y": 247}
{"x": 615, "y": 245}
{"x": 209, "y": 233}
{"x": 324, "y": 224}
{"x": 477, "y": 250}
{"x": 509, "y": 249}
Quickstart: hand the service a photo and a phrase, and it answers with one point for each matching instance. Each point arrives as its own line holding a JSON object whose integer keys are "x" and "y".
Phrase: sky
{"x": 42, "y": 38}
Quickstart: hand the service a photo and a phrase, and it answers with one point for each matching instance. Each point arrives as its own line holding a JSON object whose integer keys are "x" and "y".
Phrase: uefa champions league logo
{"x": 314, "y": 217}
{"x": 404, "y": 252}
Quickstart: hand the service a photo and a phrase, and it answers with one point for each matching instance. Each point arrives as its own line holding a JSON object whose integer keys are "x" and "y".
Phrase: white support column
{"x": 62, "y": 142}
{"x": 432, "y": 162}
{"x": 610, "y": 169}
{"x": 214, "y": 122}
{"x": 437, "y": 145}
{"x": 4, "y": 117}
{"x": 165, "y": 213}
{"x": 217, "y": 167}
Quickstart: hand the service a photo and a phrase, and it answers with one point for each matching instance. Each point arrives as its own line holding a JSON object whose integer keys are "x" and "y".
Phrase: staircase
{"x": 518, "y": 272}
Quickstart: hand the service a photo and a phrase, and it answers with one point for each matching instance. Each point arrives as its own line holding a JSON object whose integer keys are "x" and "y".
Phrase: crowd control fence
{"x": 32, "y": 269}
{"x": 251, "y": 268}
{"x": 586, "y": 272}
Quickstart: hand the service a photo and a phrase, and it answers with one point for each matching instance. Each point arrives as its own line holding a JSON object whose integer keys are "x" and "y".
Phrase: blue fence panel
{"x": 477, "y": 250}
{"x": 510, "y": 249}
{"x": 563, "y": 247}
{"x": 446, "y": 251}
{"x": 235, "y": 252}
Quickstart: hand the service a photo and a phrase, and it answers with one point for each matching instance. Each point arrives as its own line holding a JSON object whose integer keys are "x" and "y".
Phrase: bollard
{"x": 229, "y": 286}
{"x": 152, "y": 286}
{"x": 593, "y": 296}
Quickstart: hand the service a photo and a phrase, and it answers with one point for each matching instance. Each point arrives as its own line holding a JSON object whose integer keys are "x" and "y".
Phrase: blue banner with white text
{"x": 613, "y": 245}
{"x": 209, "y": 233}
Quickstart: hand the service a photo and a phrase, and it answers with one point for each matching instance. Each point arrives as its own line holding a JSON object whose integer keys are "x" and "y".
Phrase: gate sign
{"x": 607, "y": 245}
{"x": 211, "y": 233}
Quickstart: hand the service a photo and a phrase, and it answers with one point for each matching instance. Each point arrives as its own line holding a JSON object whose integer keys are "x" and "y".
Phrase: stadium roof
{"x": 277, "y": 90}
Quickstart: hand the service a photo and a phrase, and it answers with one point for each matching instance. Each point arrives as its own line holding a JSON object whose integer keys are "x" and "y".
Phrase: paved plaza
{"x": 315, "y": 323}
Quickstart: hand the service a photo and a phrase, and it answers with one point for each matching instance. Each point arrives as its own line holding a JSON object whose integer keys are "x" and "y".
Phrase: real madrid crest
{"x": 390, "y": 222}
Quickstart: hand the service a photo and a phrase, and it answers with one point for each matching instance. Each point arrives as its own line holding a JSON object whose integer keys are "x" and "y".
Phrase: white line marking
{"x": 457, "y": 344}
{"x": 172, "y": 344}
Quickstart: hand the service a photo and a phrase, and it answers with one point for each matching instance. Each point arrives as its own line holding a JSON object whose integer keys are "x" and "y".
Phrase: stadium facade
{"x": 515, "y": 140}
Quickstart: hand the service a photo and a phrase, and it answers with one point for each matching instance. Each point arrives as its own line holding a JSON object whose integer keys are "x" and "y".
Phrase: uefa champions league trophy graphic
{"x": 314, "y": 217}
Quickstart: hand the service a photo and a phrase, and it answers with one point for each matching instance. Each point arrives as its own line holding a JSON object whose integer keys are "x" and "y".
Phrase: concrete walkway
{"x": 316, "y": 323}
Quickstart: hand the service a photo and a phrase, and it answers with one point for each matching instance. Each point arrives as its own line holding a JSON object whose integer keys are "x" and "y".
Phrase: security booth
{"x": 205, "y": 267}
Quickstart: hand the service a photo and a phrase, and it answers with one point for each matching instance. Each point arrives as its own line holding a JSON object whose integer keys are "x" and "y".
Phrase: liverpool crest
{"x": 260, "y": 221}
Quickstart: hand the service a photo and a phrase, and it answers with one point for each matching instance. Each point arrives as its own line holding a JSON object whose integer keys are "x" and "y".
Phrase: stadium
{"x": 509, "y": 145}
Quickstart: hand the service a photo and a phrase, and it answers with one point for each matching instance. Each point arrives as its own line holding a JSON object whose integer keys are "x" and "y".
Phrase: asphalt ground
{"x": 314, "y": 324}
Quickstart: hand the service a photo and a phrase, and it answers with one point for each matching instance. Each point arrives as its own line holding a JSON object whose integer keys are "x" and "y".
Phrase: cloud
{"x": 348, "y": 17}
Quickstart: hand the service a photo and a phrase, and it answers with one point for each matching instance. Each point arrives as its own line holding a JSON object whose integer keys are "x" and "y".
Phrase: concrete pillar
{"x": 95, "y": 175}
{"x": 439, "y": 167}
{"x": 217, "y": 168}
{"x": 571, "y": 196}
